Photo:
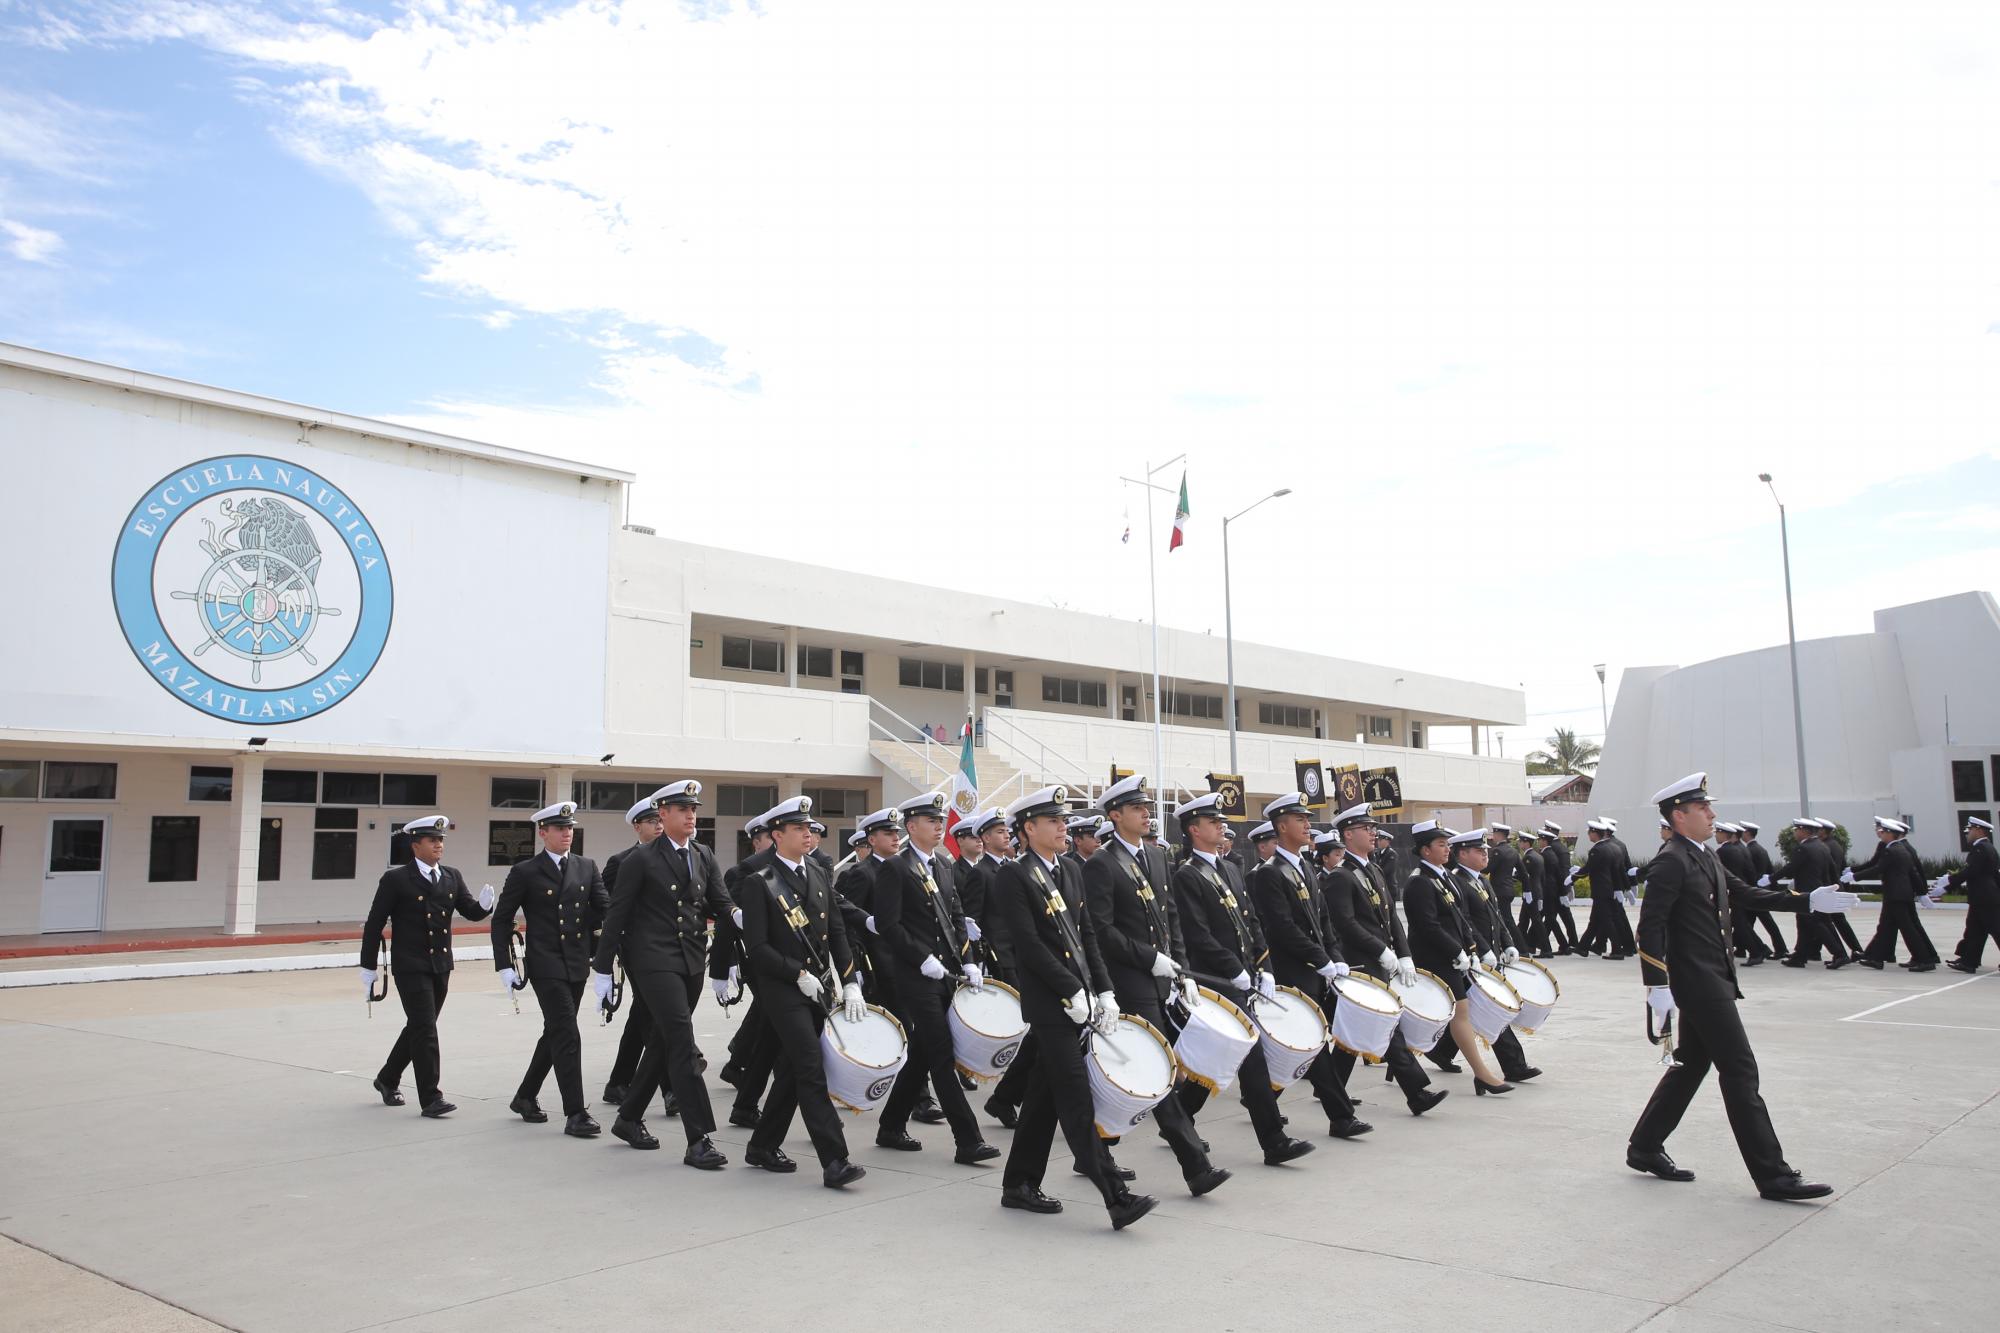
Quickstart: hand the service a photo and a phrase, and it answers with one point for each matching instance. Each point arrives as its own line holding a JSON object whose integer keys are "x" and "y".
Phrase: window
{"x": 850, "y": 663}
{"x": 816, "y": 662}
{"x": 850, "y": 686}
{"x": 1381, "y": 728}
{"x": 1284, "y": 715}
{"x": 831, "y": 803}
{"x": 576, "y": 841}
{"x": 617, "y": 796}
{"x": 735, "y": 799}
{"x": 211, "y": 784}
{"x": 1062, "y": 690}
{"x": 746, "y": 654}
{"x": 1416, "y": 735}
{"x": 63, "y": 781}
{"x": 270, "y": 850}
{"x": 1180, "y": 704}
{"x": 175, "y": 840}
{"x": 1003, "y": 689}
{"x": 399, "y": 848}
{"x": 919, "y": 673}
{"x": 351, "y": 788}
{"x": 76, "y": 846}
{"x": 1968, "y": 780}
{"x": 289, "y": 786}
{"x": 516, "y": 794}
{"x": 20, "y": 779}
{"x": 979, "y": 681}
{"x": 509, "y": 840}
{"x": 335, "y": 842}
{"x": 417, "y": 790}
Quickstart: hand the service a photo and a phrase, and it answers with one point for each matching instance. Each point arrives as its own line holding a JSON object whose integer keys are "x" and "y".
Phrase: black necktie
{"x": 687, "y": 861}
{"x": 559, "y": 867}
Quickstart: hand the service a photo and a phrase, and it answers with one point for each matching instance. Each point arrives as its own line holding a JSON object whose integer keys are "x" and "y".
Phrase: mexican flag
{"x": 1180, "y": 517}
{"x": 964, "y": 787}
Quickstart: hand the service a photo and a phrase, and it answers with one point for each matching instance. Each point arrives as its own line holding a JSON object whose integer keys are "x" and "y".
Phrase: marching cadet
{"x": 1263, "y": 844}
{"x": 1037, "y": 902}
{"x": 753, "y": 1049}
{"x": 878, "y": 836}
{"x": 1305, "y": 948}
{"x": 658, "y": 925}
{"x": 1004, "y": 1104}
{"x": 1442, "y": 940}
{"x": 797, "y": 946}
{"x": 1605, "y": 864}
{"x": 817, "y": 832}
{"x": 1835, "y": 860}
{"x": 1895, "y": 863}
{"x": 556, "y": 892}
{"x": 1980, "y": 880}
{"x": 418, "y": 901}
{"x": 1735, "y": 859}
{"x": 1084, "y": 839}
{"x": 1224, "y": 940}
{"x": 1365, "y": 915}
{"x": 1684, "y": 924}
{"x": 1131, "y": 906}
{"x": 919, "y": 915}
{"x": 1557, "y": 874}
{"x": 1529, "y": 927}
{"x": 1812, "y": 867}
{"x": 1504, "y": 874}
{"x": 1386, "y": 858}
{"x": 1760, "y": 865}
{"x": 645, "y": 821}
{"x": 1498, "y": 944}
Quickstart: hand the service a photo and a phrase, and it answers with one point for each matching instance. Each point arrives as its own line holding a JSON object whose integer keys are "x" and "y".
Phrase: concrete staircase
{"x": 905, "y": 774}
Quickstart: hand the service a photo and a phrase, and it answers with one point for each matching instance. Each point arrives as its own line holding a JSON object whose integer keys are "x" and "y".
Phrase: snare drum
{"x": 1131, "y": 1071}
{"x": 1292, "y": 1030}
{"x": 1215, "y": 1041}
{"x": 1427, "y": 1006}
{"x": 862, "y": 1059}
{"x": 1538, "y": 990}
{"x": 986, "y": 1028}
{"x": 1491, "y": 1003}
{"x": 1365, "y": 1017}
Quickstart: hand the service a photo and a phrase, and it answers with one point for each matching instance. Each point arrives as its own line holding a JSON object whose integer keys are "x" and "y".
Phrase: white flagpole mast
{"x": 1153, "y": 593}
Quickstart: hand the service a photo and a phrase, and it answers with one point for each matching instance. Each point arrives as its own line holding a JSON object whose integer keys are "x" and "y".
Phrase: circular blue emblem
{"x": 252, "y": 589}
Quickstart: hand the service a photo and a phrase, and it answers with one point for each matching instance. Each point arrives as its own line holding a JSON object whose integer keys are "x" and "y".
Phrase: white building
{"x": 254, "y": 638}
{"x": 1901, "y": 722}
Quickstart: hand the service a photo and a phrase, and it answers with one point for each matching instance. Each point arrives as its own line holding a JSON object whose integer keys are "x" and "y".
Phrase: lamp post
{"x": 1229, "y": 621}
{"x": 1603, "y": 709}
{"x": 1792, "y": 636}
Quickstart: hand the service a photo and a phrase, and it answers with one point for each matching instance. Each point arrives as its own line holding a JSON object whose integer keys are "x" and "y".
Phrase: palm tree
{"x": 1566, "y": 754}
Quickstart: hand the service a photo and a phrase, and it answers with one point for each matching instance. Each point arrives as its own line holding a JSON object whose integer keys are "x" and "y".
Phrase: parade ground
{"x": 205, "y": 1151}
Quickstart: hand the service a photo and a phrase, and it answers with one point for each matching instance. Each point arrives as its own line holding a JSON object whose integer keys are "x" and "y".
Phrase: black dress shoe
{"x": 1792, "y": 1188}
{"x": 528, "y": 1109}
{"x": 1872, "y": 964}
{"x": 1545, "y": 954}
{"x": 614, "y": 1093}
{"x": 1491, "y": 1089}
{"x": 839, "y": 1173}
{"x": 927, "y": 1112}
{"x": 1350, "y": 1128}
{"x": 1835, "y": 964}
{"x": 1792, "y": 962}
{"x": 634, "y": 1132}
{"x": 744, "y": 1117}
{"x": 1426, "y": 1099}
{"x": 670, "y": 1104}
{"x": 899, "y": 1140}
{"x": 702, "y": 1156}
{"x": 966, "y": 1082}
{"x": 1524, "y": 1074}
{"x": 771, "y": 1159}
{"x": 729, "y": 1073}
{"x": 1923, "y": 967}
{"x": 1958, "y": 966}
{"x": 1113, "y": 1172}
{"x": 1201, "y": 1182}
{"x": 1752, "y": 962}
{"x": 391, "y": 1096}
{"x": 1288, "y": 1151}
{"x": 1029, "y": 1199}
{"x": 439, "y": 1109}
{"x": 1656, "y": 1164}
{"x": 1129, "y": 1208}
{"x": 1446, "y": 1066}
{"x": 581, "y": 1126}
{"x": 1005, "y": 1114}
{"x": 976, "y": 1153}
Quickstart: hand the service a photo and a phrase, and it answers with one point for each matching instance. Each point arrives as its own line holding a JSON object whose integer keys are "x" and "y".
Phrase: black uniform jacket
{"x": 1439, "y": 931}
{"x": 1221, "y": 934}
{"x": 1503, "y": 868}
{"x": 1364, "y": 916}
{"x": 1895, "y": 863}
{"x": 1132, "y": 910}
{"x": 916, "y": 923}
{"x": 1606, "y": 865}
{"x": 1531, "y": 875}
{"x": 1981, "y": 877}
{"x": 1055, "y": 949}
{"x": 1296, "y": 923}
{"x": 558, "y": 912}
{"x": 1681, "y": 943}
{"x": 780, "y": 906}
{"x": 1490, "y": 926}
{"x": 660, "y": 908}
{"x": 420, "y": 915}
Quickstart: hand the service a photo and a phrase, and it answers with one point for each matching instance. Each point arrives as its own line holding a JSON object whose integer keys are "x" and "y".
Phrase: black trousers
{"x": 1623, "y": 943}
{"x": 1822, "y": 928}
{"x": 1012, "y": 1089}
{"x": 1253, "y": 1087}
{"x": 1597, "y": 926}
{"x": 632, "y": 1041}
{"x": 1058, "y": 1093}
{"x": 1900, "y": 917}
{"x": 422, "y": 994}
{"x": 1558, "y": 926}
{"x": 923, "y": 1013}
{"x": 1534, "y": 929}
{"x": 753, "y": 1053}
{"x": 670, "y": 1052}
{"x": 1403, "y": 1067}
{"x": 560, "y": 1046}
{"x": 1171, "y": 1117}
{"x": 1982, "y": 922}
{"x": 1770, "y": 925}
{"x": 1712, "y": 1036}
{"x": 800, "y": 1082}
{"x": 1325, "y": 1079}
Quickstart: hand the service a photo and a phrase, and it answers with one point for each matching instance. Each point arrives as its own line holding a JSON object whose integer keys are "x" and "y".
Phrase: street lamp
{"x": 1792, "y": 636}
{"x": 1603, "y": 710}
{"x": 1229, "y": 624}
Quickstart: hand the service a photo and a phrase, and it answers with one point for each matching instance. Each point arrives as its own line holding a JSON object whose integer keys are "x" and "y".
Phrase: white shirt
{"x": 1292, "y": 857}
{"x": 1206, "y": 856}
{"x": 435, "y": 874}
{"x": 1129, "y": 847}
{"x": 796, "y": 867}
{"x": 555, "y": 860}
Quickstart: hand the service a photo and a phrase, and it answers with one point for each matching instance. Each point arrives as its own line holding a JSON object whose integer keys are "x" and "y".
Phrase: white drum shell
{"x": 1365, "y": 1016}
{"x": 1492, "y": 1004}
{"x": 1427, "y": 1007}
{"x": 1538, "y": 990}
{"x": 1215, "y": 1041}
{"x": 986, "y": 1028}
{"x": 862, "y": 1066}
{"x": 1292, "y": 1031}
{"x": 1124, "y": 1091}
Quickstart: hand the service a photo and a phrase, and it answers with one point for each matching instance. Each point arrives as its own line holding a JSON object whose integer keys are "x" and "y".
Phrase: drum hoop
{"x": 852, "y": 1059}
{"x": 1233, "y": 1009}
{"x": 976, "y": 1030}
{"x": 1365, "y": 1056}
{"x": 1529, "y": 962}
{"x": 1173, "y": 1062}
{"x": 1437, "y": 981}
{"x": 1379, "y": 984}
{"x": 1489, "y": 972}
{"x": 1310, "y": 1004}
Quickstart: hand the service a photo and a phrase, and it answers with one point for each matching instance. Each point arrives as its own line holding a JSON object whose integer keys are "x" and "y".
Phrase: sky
{"x": 1516, "y": 299}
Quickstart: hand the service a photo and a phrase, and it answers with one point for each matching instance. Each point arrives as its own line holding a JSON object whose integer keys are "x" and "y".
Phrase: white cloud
{"x": 30, "y": 245}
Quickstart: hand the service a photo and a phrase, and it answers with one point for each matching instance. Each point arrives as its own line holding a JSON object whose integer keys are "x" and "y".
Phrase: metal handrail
{"x": 922, "y": 756}
{"x": 1015, "y": 742}
{"x": 993, "y": 797}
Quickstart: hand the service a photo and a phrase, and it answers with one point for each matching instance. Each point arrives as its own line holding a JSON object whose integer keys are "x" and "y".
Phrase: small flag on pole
{"x": 1180, "y": 517}
{"x": 1128, "y": 525}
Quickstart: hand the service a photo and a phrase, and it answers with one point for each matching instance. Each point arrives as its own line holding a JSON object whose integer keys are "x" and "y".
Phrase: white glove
{"x": 1077, "y": 1008}
{"x": 736, "y": 915}
{"x": 720, "y": 985}
{"x": 1164, "y": 967}
{"x": 870, "y": 923}
{"x": 1461, "y": 963}
{"x": 1510, "y": 955}
{"x": 1387, "y": 961}
{"x": 507, "y": 980}
{"x": 487, "y": 897}
{"x": 1939, "y": 885}
{"x": 1341, "y": 969}
{"x": 1106, "y": 1018}
{"x": 1847, "y": 875}
{"x": 1406, "y": 971}
{"x": 735, "y": 978}
{"x": 973, "y": 976}
{"x": 1267, "y": 985}
{"x": 1763, "y": 881}
{"x": 932, "y": 968}
{"x": 1660, "y": 999}
{"x": 810, "y": 986}
{"x": 1527, "y": 900}
{"x": 1327, "y": 971}
{"x": 1829, "y": 899}
{"x": 1570, "y": 878}
{"x": 852, "y": 1007}
{"x": 1487, "y": 959}
{"x": 368, "y": 980}
{"x": 1241, "y": 981}
{"x": 1632, "y": 873}
{"x": 972, "y": 930}
{"x": 1190, "y": 992}
{"x": 1569, "y": 900}
{"x": 600, "y": 982}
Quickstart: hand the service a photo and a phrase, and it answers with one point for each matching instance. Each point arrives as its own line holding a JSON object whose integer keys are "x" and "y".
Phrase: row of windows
{"x": 741, "y": 652}
{"x": 1194, "y": 705}
{"x": 57, "y": 780}
{"x": 1287, "y": 715}
{"x": 1968, "y": 779}
{"x": 1063, "y": 690}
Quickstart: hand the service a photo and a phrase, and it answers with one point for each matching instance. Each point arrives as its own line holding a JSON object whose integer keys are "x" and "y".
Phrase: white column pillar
{"x": 1111, "y": 695}
{"x": 556, "y": 784}
{"x": 239, "y": 872}
{"x": 1473, "y": 727}
{"x": 792, "y": 656}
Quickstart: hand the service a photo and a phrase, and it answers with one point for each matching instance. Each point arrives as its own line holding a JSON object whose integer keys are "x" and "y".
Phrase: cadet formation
{"x": 1112, "y": 943}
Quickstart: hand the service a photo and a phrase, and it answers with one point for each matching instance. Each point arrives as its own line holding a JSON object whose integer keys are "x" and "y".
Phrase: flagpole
{"x": 1153, "y": 594}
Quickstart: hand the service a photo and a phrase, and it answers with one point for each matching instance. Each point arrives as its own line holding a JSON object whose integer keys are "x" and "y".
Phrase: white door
{"x": 73, "y": 877}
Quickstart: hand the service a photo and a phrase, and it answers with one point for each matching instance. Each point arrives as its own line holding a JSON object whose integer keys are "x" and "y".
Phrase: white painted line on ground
{"x": 208, "y": 967}
{"x": 1898, "y": 1023}
{"x": 1921, "y": 995}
